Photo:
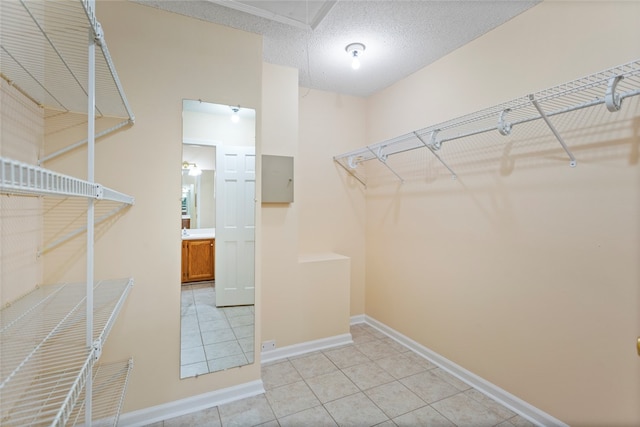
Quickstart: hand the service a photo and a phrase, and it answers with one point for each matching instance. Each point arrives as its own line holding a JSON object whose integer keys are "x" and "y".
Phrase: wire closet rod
{"x": 595, "y": 102}
{"x": 609, "y": 87}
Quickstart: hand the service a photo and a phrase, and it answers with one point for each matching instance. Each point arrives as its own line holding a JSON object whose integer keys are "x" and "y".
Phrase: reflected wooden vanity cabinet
{"x": 198, "y": 260}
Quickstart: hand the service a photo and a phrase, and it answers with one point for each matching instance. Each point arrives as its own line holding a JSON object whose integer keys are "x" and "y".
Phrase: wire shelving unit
{"x": 608, "y": 88}
{"x": 45, "y": 361}
{"x": 55, "y": 54}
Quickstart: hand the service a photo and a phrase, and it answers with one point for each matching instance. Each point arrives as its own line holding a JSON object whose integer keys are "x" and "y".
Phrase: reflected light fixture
{"x": 235, "y": 118}
{"x": 355, "y": 51}
{"x": 192, "y": 168}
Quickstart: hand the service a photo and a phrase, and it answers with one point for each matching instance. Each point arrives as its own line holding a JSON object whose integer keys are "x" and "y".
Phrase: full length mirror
{"x": 218, "y": 237}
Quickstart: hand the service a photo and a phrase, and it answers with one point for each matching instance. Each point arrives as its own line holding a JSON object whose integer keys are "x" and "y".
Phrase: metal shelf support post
{"x": 91, "y": 141}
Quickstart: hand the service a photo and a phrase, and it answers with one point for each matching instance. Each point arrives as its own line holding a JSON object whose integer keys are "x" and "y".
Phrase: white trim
{"x": 501, "y": 396}
{"x": 197, "y": 141}
{"x": 191, "y": 404}
{"x": 358, "y": 318}
{"x": 277, "y": 17}
{"x": 219, "y": 397}
{"x": 305, "y": 347}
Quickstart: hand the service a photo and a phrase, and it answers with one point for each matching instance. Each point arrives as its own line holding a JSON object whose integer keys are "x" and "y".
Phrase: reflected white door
{"x": 235, "y": 225}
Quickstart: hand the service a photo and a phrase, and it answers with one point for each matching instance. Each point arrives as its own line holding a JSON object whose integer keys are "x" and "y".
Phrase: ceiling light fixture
{"x": 355, "y": 50}
{"x": 235, "y": 118}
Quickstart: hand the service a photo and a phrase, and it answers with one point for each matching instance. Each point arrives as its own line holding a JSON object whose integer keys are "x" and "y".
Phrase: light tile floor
{"x": 211, "y": 338}
{"x": 372, "y": 382}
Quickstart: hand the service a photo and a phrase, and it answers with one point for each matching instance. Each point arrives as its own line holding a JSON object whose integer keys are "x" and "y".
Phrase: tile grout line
{"x": 360, "y": 390}
{"x": 191, "y": 290}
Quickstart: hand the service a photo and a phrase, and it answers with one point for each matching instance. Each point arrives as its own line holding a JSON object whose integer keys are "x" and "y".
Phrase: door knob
{"x": 638, "y": 346}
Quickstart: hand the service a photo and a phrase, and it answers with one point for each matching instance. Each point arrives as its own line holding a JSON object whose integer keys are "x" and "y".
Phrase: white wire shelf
{"x": 607, "y": 88}
{"x": 109, "y": 388}
{"x": 25, "y": 179}
{"x": 45, "y": 360}
{"x": 43, "y": 52}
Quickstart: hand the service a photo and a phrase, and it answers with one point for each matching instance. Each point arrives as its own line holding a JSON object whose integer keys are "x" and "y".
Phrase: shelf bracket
{"x": 432, "y": 148}
{"x": 80, "y": 230}
{"x": 352, "y": 165}
{"x": 97, "y": 349}
{"x": 383, "y": 159}
{"x": 573, "y": 162}
{"x": 611, "y": 99}
{"x": 75, "y": 145}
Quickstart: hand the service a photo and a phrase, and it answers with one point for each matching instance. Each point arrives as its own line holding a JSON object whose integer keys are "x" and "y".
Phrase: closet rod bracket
{"x": 433, "y": 142}
{"x": 381, "y": 155}
{"x": 612, "y": 100}
{"x": 555, "y": 132}
{"x": 504, "y": 127}
{"x": 352, "y": 161}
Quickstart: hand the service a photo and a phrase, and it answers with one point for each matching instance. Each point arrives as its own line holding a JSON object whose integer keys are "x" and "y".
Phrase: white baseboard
{"x": 305, "y": 347}
{"x": 501, "y": 396}
{"x": 220, "y": 397}
{"x": 191, "y": 404}
{"x": 358, "y": 318}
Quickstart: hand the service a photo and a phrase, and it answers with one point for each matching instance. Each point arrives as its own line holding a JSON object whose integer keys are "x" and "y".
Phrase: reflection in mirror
{"x": 218, "y": 229}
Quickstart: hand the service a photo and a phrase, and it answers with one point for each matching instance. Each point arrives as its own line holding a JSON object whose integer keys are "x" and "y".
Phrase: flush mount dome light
{"x": 355, "y": 50}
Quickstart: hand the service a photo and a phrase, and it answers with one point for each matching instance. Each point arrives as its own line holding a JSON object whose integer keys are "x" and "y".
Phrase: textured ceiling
{"x": 401, "y": 37}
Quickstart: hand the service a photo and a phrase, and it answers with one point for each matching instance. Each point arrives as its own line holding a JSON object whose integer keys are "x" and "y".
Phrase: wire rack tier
{"x": 43, "y": 52}
{"x": 45, "y": 361}
{"x": 109, "y": 386}
{"x": 607, "y": 88}
{"x": 22, "y": 178}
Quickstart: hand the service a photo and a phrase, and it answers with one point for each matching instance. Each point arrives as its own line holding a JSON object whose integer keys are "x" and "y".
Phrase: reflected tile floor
{"x": 211, "y": 338}
{"x": 372, "y": 382}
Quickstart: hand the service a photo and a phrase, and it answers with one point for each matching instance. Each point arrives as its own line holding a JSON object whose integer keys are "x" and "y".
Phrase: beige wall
{"x": 280, "y": 221}
{"x": 332, "y": 206}
{"x": 525, "y": 274}
{"x": 306, "y": 300}
{"x": 162, "y": 58}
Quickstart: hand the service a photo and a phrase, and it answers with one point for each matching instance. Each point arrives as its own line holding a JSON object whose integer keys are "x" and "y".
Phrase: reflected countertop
{"x": 198, "y": 233}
